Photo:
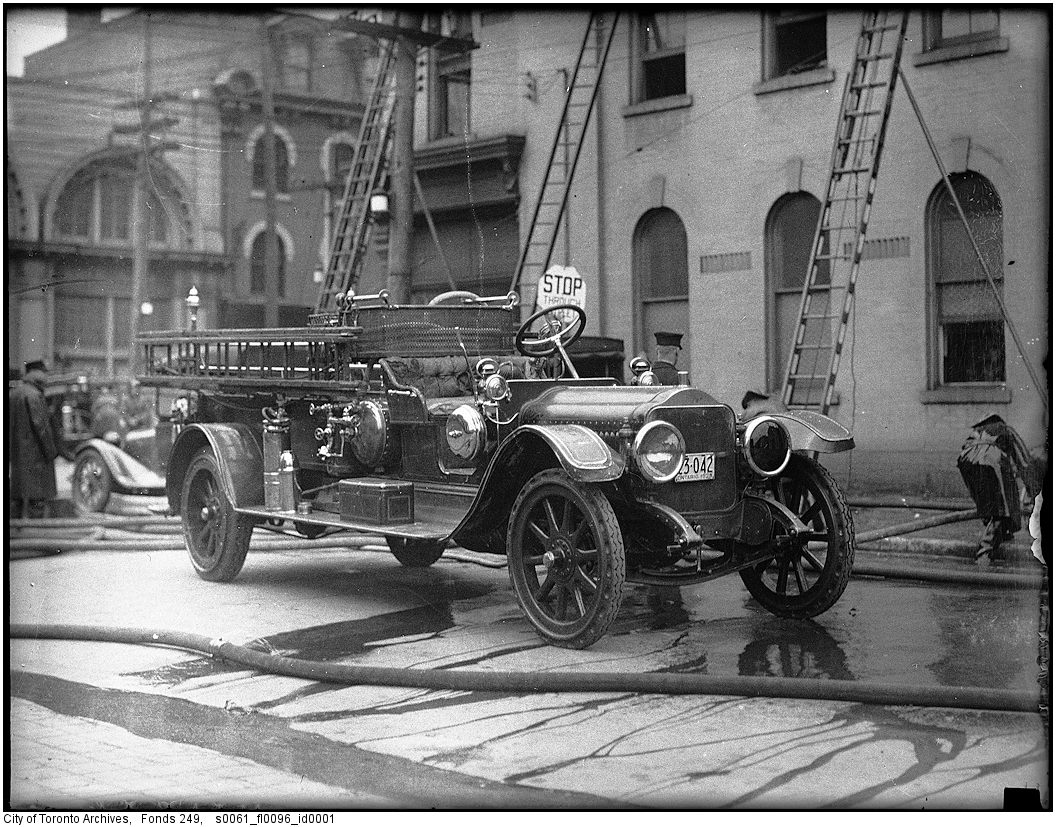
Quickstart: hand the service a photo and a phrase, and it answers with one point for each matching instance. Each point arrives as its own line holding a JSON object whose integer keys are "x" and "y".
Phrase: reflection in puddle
{"x": 653, "y": 607}
{"x": 785, "y": 648}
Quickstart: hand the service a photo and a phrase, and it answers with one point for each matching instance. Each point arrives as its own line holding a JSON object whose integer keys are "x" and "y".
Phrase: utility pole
{"x": 271, "y": 280}
{"x": 145, "y": 147}
{"x": 401, "y": 171}
{"x": 140, "y": 226}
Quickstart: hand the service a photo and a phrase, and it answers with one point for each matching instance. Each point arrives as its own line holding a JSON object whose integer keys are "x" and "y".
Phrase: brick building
{"x": 70, "y": 176}
{"x": 698, "y": 189}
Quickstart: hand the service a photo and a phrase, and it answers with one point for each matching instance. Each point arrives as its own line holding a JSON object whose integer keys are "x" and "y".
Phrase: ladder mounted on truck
{"x": 828, "y": 293}
{"x": 580, "y": 96}
{"x": 351, "y": 231}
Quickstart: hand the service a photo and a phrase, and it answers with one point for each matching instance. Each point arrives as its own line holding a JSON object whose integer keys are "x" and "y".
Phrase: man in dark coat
{"x": 991, "y": 459}
{"x": 32, "y": 445}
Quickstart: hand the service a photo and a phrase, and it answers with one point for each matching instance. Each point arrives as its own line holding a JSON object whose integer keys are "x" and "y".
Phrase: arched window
{"x": 258, "y": 281}
{"x": 96, "y": 205}
{"x": 967, "y": 331}
{"x": 341, "y": 155}
{"x": 789, "y": 234}
{"x": 660, "y": 262}
{"x": 282, "y": 164}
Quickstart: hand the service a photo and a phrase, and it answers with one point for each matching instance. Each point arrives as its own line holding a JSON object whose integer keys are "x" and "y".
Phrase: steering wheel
{"x": 460, "y": 296}
{"x": 554, "y": 334}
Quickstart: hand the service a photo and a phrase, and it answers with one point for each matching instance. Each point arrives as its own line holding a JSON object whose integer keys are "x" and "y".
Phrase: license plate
{"x": 697, "y": 467}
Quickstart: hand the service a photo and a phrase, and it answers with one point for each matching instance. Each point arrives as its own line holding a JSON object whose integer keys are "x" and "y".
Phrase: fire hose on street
{"x": 102, "y": 532}
{"x": 162, "y": 534}
{"x": 659, "y": 683}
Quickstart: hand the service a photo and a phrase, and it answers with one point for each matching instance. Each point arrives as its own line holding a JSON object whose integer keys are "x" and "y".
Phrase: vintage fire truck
{"x": 451, "y": 423}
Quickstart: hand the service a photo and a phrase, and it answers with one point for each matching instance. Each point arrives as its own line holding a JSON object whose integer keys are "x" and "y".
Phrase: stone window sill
{"x": 960, "y": 51}
{"x": 966, "y": 395}
{"x": 814, "y": 77}
{"x": 657, "y": 105}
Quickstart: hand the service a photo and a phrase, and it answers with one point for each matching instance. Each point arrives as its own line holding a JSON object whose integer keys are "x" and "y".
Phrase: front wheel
{"x": 811, "y": 571}
{"x": 217, "y": 537}
{"x": 566, "y": 559}
{"x": 92, "y": 483}
{"x": 415, "y": 554}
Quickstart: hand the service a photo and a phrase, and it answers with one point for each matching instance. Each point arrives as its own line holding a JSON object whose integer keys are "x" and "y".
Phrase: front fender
{"x": 130, "y": 476}
{"x": 527, "y": 451}
{"x": 812, "y": 431}
{"x": 237, "y": 453}
{"x": 582, "y": 453}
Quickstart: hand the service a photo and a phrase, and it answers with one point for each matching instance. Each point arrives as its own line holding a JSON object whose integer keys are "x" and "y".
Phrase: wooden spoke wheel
{"x": 217, "y": 537}
{"x": 810, "y": 571}
{"x": 566, "y": 559}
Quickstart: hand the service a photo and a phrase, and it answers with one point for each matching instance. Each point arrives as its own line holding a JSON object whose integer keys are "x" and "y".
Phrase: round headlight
{"x": 465, "y": 432}
{"x": 659, "y": 451}
{"x": 496, "y": 388}
{"x": 766, "y": 446}
{"x": 648, "y": 378}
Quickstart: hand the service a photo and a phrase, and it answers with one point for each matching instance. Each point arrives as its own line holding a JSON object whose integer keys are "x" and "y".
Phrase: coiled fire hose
{"x": 653, "y": 683}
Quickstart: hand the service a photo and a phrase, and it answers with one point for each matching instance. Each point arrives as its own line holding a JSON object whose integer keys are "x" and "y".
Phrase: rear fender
{"x": 237, "y": 453}
{"x": 128, "y": 473}
{"x": 812, "y": 431}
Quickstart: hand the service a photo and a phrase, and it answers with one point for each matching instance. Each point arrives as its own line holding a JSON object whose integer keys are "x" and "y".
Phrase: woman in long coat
{"x": 32, "y": 445}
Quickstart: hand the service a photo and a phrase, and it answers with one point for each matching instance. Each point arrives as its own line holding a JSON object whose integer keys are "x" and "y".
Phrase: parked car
{"x": 109, "y": 432}
{"x": 450, "y": 423}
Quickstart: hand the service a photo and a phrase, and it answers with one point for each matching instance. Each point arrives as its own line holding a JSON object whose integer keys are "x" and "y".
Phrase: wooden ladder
{"x": 828, "y": 293}
{"x": 351, "y": 232}
{"x": 580, "y": 97}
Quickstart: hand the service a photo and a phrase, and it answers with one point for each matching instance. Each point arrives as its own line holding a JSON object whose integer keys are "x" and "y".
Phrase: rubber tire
{"x": 105, "y": 483}
{"x": 415, "y": 554}
{"x": 594, "y": 507}
{"x": 839, "y": 559}
{"x": 231, "y": 531}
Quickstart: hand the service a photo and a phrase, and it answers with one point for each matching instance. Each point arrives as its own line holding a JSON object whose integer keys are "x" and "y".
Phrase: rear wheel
{"x": 566, "y": 559}
{"x": 811, "y": 571}
{"x": 415, "y": 554}
{"x": 92, "y": 482}
{"x": 217, "y": 537}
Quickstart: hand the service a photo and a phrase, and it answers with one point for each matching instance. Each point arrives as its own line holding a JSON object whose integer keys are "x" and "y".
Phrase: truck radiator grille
{"x": 706, "y": 428}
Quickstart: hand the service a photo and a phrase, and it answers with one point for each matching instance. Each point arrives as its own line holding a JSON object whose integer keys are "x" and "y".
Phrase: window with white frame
{"x": 341, "y": 157}
{"x": 660, "y": 45}
{"x": 97, "y": 205}
{"x": 450, "y": 76}
{"x": 258, "y": 277}
{"x": 296, "y": 63}
{"x": 660, "y": 267}
{"x": 789, "y": 234}
{"x": 794, "y": 41}
{"x": 282, "y": 164}
{"x": 956, "y": 26}
{"x": 968, "y": 333}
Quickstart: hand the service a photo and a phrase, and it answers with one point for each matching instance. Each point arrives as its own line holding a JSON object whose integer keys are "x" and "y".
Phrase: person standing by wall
{"x": 32, "y": 446}
{"x": 992, "y": 458}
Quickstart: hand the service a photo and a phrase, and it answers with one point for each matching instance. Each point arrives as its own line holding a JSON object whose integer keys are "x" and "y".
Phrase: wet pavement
{"x": 496, "y": 749}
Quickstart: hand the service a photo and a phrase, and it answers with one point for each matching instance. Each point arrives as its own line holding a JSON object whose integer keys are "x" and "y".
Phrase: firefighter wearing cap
{"x": 991, "y": 459}
{"x": 32, "y": 446}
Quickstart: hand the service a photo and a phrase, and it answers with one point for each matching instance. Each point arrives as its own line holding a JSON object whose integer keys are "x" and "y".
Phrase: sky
{"x": 31, "y": 29}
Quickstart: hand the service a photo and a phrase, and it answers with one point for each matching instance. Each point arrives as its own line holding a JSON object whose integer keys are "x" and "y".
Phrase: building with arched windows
{"x": 697, "y": 194}
{"x": 72, "y": 156}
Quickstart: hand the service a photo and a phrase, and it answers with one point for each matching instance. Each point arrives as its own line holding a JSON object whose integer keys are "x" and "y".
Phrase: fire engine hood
{"x": 607, "y": 407}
